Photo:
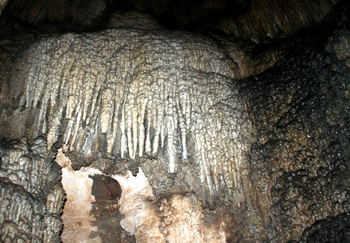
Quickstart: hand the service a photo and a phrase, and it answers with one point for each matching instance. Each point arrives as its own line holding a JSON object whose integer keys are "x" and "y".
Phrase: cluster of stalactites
{"x": 28, "y": 211}
{"x": 142, "y": 92}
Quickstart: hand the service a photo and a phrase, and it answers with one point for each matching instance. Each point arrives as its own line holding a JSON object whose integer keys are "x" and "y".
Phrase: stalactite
{"x": 160, "y": 95}
{"x": 28, "y": 211}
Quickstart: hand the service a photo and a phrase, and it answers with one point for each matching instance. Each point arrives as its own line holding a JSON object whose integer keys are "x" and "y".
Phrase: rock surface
{"x": 251, "y": 139}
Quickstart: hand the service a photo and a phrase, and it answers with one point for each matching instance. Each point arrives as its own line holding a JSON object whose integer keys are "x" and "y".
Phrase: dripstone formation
{"x": 239, "y": 141}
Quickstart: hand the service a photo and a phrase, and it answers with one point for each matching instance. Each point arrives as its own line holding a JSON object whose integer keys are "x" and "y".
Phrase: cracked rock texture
{"x": 253, "y": 139}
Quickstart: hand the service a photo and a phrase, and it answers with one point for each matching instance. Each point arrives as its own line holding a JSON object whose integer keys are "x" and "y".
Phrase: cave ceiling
{"x": 254, "y": 20}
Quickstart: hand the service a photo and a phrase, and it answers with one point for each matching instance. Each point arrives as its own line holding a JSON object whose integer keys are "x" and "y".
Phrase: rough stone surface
{"x": 157, "y": 99}
{"x": 176, "y": 218}
{"x": 331, "y": 229}
{"x": 3, "y": 4}
{"x": 91, "y": 211}
{"x": 299, "y": 164}
{"x": 31, "y": 197}
{"x": 270, "y": 20}
{"x": 256, "y": 136}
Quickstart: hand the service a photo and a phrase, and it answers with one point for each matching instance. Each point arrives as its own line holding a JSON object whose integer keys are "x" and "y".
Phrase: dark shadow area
{"x": 105, "y": 209}
{"x": 331, "y": 229}
{"x": 105, "y": 188}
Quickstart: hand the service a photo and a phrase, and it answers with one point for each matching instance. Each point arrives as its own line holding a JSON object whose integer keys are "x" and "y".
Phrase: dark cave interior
{"x": 174, "y": 121}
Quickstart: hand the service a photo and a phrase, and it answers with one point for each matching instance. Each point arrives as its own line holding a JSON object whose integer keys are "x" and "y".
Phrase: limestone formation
{"x": 31, "y": 197}
{"x": 161, "y": 135}
{"x": 178, "y": 218}
{"x": 133, "y": 94}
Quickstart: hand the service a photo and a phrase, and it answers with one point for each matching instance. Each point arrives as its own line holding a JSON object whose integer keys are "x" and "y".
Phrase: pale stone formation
{"x": 148, "y": 93}
{"x": 174, "y": 105}
{"x": 76, "y": 217}
{"x": 178, "y": 218}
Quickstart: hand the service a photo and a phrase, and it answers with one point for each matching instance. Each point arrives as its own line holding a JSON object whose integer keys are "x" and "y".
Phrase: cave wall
{"x": 299, "y": 163}
{"x": 254, "y": 137}
{"x": 31, "y": 196}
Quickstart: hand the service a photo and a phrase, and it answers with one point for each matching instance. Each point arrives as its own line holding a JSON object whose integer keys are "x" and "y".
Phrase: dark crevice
{"x": 105, "y": 210}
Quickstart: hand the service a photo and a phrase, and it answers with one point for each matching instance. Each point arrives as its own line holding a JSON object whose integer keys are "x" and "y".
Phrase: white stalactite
{"x": 144, "y": 92}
